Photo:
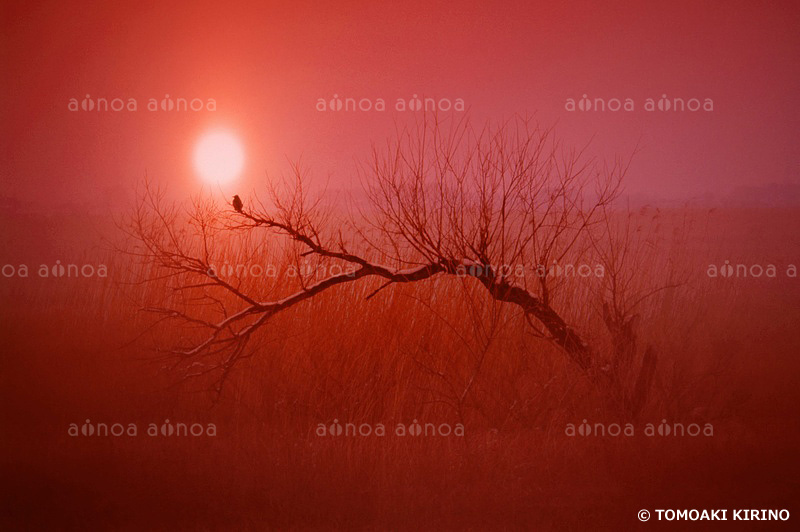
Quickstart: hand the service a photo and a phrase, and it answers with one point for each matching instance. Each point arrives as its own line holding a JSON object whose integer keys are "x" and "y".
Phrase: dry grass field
{"x": 436, "y": 352}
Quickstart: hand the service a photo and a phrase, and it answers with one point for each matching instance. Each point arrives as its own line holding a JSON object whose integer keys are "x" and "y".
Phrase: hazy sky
{"x": 266, "y": 65}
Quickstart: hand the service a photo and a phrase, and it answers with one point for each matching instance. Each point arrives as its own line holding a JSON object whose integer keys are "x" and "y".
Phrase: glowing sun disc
{"x": 218, "y": 157}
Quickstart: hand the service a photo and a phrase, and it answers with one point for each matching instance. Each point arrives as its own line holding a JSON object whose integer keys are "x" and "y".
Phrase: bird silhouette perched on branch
{"x": 237, "y": 203}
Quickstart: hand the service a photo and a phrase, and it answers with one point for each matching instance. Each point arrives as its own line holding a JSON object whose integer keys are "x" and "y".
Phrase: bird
{"x": 237, "y": 203}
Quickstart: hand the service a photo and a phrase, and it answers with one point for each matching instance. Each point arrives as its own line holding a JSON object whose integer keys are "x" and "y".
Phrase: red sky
{"x": 266, "y": 65}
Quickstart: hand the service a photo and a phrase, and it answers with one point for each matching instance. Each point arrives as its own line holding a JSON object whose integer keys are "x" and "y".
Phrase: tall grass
{"x": 438, "y": 352}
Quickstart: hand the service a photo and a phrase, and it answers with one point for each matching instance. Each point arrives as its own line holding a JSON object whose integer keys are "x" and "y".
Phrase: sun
{"x": 218, "y": 157}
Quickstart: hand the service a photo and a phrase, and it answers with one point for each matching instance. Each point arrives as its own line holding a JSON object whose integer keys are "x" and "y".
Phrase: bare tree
{"x": 505, "y": 206}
